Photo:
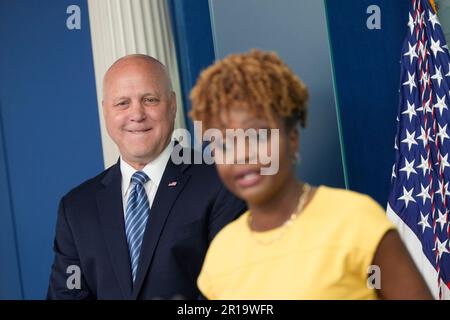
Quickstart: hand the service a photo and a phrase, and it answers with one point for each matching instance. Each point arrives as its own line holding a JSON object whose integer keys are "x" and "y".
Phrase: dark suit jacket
{"x": 90, "y": 233}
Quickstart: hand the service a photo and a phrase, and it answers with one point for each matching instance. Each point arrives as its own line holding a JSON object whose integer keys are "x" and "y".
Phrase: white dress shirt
{"x": 154, "y": 170}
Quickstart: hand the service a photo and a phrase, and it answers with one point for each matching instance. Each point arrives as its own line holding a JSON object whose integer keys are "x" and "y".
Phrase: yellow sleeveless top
{"x": 324, "y": 254}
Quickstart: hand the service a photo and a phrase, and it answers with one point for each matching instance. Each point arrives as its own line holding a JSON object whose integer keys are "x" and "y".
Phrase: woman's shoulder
{"x": 343, "y": 195}
{"x": 350, "y": 208}
{"x": 345, "y": 200}
{"x": 222, "y": 253}
{"x": 232, "y": 232}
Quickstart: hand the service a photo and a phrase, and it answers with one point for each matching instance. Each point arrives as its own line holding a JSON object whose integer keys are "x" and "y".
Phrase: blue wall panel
{"x": 191, "y": 26}
{"x": 10, "y": 280}
{"x": 50, "y": 123}
{"x": 367, "y": 72}
{"x": 297, "y": 31}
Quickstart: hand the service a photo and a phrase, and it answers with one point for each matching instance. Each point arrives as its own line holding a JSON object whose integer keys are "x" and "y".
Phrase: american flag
{"x": 418, "y": 201}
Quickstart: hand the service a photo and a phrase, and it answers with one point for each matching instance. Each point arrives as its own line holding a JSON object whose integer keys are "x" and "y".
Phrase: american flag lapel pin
{"x": 172, "y": 184}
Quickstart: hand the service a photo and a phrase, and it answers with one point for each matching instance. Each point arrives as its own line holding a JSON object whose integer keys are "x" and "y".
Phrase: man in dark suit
{"x": 140, "y": 229}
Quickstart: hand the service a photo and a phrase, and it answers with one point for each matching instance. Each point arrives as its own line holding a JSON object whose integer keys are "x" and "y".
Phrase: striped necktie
{"x": 137, "y": 214}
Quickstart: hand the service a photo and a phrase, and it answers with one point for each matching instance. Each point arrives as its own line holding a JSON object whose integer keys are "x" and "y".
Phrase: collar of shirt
{"x": 154, "y": 169}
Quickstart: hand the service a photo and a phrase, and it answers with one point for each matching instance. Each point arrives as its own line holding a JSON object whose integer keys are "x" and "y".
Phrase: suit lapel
{"x": 109, "y": 202}
{"x": 172, "y": 183}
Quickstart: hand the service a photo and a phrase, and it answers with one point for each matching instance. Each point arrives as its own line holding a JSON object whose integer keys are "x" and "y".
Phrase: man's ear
{"x": 103, "y": 107}
{"x": 173, "y": 103}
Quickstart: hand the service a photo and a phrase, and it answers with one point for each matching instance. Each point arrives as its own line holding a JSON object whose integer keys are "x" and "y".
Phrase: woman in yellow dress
{"x": 295, "y": 241}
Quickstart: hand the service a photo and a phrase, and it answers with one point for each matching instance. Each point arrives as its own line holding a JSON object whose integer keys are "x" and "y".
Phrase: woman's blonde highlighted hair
{"x": 258, "y": 81}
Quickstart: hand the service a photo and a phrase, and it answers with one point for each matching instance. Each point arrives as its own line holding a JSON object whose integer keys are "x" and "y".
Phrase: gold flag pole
{"x": 433, "y": 4}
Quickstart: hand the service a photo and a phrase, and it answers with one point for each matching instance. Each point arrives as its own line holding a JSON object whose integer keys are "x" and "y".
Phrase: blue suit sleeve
{"x": 66, "y": 279}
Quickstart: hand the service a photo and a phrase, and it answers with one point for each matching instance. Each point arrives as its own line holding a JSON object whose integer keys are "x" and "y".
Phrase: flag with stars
{"x": 419, "y": 198}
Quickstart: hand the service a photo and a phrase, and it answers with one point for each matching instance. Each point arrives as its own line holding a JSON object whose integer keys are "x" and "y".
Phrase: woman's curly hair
{"x": 258, "y": 81}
